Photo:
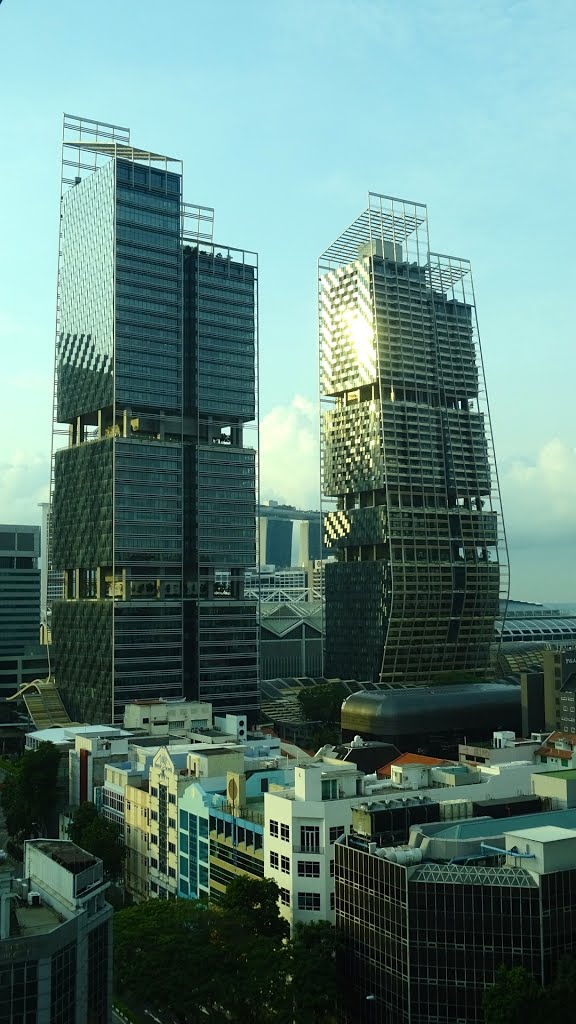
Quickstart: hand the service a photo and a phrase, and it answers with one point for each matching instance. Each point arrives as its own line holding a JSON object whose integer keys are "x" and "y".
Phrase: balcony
{"x": 316, "y": 851}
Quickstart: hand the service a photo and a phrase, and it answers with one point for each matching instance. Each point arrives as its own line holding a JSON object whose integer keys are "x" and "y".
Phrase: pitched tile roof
{"x": 431, "y": 762}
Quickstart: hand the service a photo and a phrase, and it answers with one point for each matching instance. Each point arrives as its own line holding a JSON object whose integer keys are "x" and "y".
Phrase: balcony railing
{"x": 309, "y": 849}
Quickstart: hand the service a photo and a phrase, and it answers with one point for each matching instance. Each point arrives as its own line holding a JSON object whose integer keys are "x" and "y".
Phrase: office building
{"x": 56, "y": 938}
{"x": 19, "y": 590}
{"x": 288, "y": 536}
{"x": 155, "y": 381}
{"x": 18, "y": 669}
{"x": 408, "y": 463}
{"x": 425, "y": 927}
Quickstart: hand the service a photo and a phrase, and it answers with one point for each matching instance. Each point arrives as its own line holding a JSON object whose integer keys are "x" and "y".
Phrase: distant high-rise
{"x": 407, "y": 456}
{"x": 155, "y": 381}
{"x": 19, "y": 589}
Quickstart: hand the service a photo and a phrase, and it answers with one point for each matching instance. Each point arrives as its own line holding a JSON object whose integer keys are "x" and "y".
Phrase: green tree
{"x": 515, "y": 998}
{"x": 199, "y": 962}
{"x": 29, "y": 795}
{"x": 323, "y": 703}
{"x": 99, "y": 837}
{"x": 313, "y": 973}
{"x": 254, "y": 902}
{"x": 561, "y": 992}
{"x": 82, "y": 818}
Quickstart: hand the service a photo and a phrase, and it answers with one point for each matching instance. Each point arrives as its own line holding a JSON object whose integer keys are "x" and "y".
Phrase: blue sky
{"x": 286, "y": 114}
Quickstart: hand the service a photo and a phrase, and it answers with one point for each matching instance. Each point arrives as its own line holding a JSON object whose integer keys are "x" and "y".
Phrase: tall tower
{"x": 19, "y": 590}
{"x": 408, "y": 465}
{"x": 155, "y": 378}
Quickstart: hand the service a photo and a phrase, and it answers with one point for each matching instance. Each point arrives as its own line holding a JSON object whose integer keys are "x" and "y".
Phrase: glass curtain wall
{"x": 408, "y": 462}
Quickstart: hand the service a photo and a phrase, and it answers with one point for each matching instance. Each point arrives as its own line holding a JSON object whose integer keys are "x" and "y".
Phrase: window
{"x": 171, "y": 847}
{"x": 172, "y": 798}
{"x": 154, "y": 815}
{"x": 331, "y": 869}
{"x": 153, "y": 862}
{"x": 329, "y": 789}
{"x": 153, "y": 839}
{"x": 285, "y": 865}
{"x": 273, "y": 859}
{"x": 171, "y": 822}
{"x": 285, "y": 833}
{"x": 308, "y": 901}
{"x": 273, "y": 828}
{"x": 309, "y": 869}
{"x": 153, "y": 791}
{"x": 263, "y": 785}
{"x": 331, "y": 901}
{"x": 336, "y": 832}
{"x": 172, "y": 872}
{"x": 310, "y": 838}
{"x": 285, "y": 897}
{"x": 153, "y": 887}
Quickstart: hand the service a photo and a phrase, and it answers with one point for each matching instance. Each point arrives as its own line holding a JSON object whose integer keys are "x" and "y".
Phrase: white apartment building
{"x": 301, "y": 825}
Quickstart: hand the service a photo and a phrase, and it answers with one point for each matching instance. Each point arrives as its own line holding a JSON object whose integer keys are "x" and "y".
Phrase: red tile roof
{"x": 551, "y": 750}
{"x": 430, "y": 762}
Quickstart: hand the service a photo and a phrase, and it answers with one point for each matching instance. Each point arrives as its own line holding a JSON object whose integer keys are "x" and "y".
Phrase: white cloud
{"x": 289, "y": 454}
{"x": 539, "y": 496}
{"x": 23, "y": 484}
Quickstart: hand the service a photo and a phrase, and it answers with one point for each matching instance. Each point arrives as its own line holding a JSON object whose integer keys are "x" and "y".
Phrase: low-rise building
{"x": 87, "y": 760}
{"x": 56, "y": 938}
{"x": 159, "y": 717}
{"x": 558, "y": 750}
{"x": 301, "y": 826}
{"x": 504, "y": 748}
{"x": 425, "y": 927}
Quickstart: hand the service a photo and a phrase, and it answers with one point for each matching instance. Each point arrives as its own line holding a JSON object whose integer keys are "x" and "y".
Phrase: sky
{"x": 286, "y": 113}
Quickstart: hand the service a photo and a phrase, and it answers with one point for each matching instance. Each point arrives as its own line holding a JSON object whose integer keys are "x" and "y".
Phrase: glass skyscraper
{"x": 19, "y": 591}
{"x": 408, "y": 467}
{"x": 155, "y": 381}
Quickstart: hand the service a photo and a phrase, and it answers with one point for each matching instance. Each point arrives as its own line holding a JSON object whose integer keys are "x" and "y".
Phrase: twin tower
{"x": 154, "y": 483}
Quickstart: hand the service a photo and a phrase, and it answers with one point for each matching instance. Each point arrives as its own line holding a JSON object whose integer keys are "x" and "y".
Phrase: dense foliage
{"x": 230, "y": 962}
{"x": 517, "y": 998}
{"x": 98, "y": 836}
{"x": 29, "y": 794}
{"x": 322, "y": 703}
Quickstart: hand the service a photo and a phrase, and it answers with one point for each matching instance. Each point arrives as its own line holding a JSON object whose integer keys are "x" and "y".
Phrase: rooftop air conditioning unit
{"x": 34, "y": 899}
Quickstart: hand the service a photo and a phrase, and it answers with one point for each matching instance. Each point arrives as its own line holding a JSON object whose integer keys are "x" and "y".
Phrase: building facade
{"x": 19, "y": 590}
{"x": 155, "y": 380}
{"x": 301, "y": 827}
{"x": 408, "y": 463}
{"x": 425, "y": 928}
{"x": 56, "y": 939}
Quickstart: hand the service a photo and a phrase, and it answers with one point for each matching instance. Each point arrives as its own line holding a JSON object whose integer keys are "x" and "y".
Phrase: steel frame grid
{"x": 452, "y": 276}
{"x": 247, "y": 258}
{"x": 388, "y": 219}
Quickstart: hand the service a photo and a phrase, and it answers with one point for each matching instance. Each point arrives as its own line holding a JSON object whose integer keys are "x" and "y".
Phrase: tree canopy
{"x": 322, "y": 703}
{"x": 255, "y": 902}
{"x": 197, "y": 961}
{"x": 99, "y": 837}
{"x": 313, "y": 956}
{"x": 29, "y": 795}
{"x": 228, "y": 962}
{"x": 515, "y": 998}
